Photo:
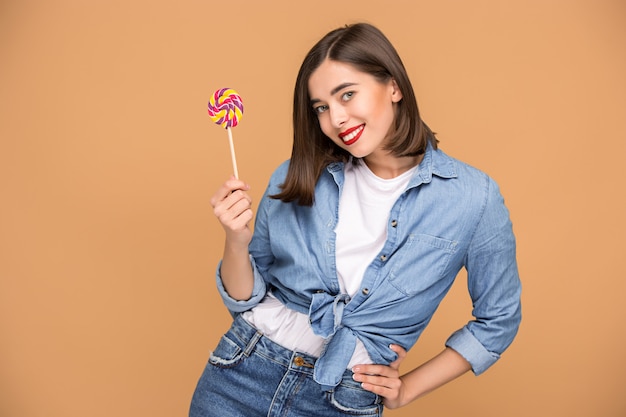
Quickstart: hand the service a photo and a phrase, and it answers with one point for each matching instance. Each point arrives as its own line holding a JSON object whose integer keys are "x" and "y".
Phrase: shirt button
{"x": 365, "y": 291}
{"x": 394, "y": 223}
{"x": 383, "y": 258}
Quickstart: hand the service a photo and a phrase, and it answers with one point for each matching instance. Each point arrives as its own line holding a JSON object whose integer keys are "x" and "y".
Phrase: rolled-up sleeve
{"x": 239, "y": 306}
{"x": 494, "y": 287}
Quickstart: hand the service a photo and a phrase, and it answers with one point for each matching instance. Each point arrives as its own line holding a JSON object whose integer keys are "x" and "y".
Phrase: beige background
{"x": 108, "y": 159}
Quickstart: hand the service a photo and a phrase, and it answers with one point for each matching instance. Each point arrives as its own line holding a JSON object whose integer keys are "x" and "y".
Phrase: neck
{"x": 388, "y": 166}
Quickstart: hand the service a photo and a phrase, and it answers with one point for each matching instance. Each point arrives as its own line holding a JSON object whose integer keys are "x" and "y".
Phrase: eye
{"x": 320, "y": 109}
{"x": 347, "y": 95}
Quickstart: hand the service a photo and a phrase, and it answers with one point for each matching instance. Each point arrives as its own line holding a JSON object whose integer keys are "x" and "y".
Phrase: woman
{"x": 357, "y": 239}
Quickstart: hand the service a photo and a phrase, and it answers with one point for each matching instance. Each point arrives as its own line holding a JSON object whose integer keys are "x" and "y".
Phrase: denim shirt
{"x": 450, "y": 216}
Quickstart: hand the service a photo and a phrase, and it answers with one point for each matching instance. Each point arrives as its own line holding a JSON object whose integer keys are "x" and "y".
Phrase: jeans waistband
{"x": 253, "y": 340}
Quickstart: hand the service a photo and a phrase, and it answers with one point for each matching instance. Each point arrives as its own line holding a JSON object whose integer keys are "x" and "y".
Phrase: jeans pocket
{"x": 355, "y": 400}
{"x": 226, "y": 354}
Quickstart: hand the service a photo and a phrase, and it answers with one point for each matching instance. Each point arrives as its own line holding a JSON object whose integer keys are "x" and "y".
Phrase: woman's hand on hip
{"x": 384, "y": 380}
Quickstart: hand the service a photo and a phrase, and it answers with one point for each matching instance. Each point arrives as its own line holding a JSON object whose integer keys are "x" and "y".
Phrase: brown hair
{"x": 368, "y": 50}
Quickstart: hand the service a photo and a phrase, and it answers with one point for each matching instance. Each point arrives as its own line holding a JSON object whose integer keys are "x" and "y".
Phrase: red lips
{"x": 352, "y": 135}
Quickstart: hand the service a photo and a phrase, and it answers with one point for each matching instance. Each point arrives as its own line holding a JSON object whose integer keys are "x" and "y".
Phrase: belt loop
{"x": 252, "y": 343}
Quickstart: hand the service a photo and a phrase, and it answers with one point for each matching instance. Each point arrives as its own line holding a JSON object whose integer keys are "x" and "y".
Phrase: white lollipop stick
{"x": 232, "y": 152}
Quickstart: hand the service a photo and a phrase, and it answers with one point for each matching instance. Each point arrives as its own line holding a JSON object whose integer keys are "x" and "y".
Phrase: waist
{"x": 248, "y": 335}
{"x": 291, "y": 329}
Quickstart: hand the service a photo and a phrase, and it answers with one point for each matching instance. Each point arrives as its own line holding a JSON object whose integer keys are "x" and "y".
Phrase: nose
{"x": 338, "y": 116}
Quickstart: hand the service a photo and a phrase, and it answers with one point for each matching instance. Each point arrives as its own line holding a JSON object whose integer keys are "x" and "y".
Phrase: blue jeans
{"x": 248, "y": 375}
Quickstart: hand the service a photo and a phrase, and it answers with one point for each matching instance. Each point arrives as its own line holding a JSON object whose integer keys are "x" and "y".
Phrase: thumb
{"x": 401, "y": 352}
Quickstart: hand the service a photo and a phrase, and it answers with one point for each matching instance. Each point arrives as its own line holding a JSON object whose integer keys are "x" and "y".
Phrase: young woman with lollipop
{"x": 357, "y": 239}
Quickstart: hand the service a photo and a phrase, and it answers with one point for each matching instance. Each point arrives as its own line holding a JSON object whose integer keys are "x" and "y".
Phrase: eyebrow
{"x": 334, "y": 91}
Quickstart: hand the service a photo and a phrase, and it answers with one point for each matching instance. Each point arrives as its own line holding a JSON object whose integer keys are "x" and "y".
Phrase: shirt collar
{"x": 435, "y": 162}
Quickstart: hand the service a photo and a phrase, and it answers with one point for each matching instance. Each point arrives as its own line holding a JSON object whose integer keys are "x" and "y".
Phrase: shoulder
{"x": 478, "y": 178}
{"x": 464, "y": 178}
{"x": 439, "y": 164}
{"x": 278, "y": 177}
{"x": 445, "y": 164}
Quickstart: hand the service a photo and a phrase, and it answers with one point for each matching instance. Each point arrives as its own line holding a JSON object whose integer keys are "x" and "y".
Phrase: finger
{"x": 236, "y": 184}
{"x": 227, "y": 189}
{"x": 379, "y": 381}
{"x": 236, "y": 199}
{"x": 401, "y": 352}
{"x": 381, "y": 370}
{"x": 239, "y": 223}
{"x": 234, "y": 212}
{"x": 382, "y": 391}
{"x": 238, "y": 208}
{"x": 388, "y": 388}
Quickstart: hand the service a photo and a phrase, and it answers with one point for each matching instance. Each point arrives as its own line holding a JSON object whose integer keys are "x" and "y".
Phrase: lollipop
{"x": 226, "y": 109}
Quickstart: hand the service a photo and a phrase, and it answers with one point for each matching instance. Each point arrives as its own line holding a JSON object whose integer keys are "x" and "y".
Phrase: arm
{"x": 397, "y": 390}
{"x": 232, "y": 206}
{"x": 494, "y": 287}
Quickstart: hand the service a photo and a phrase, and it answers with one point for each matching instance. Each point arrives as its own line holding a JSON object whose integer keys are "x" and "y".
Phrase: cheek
{"x": 386, "y": 115}
{"x": 325, "y": 125}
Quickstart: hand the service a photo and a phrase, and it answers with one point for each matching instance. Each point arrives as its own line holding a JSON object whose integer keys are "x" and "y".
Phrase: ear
{"x": 396, "y": 94}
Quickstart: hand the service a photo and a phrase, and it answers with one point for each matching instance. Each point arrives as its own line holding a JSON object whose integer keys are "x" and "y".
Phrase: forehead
{"x": 331, "y": 74}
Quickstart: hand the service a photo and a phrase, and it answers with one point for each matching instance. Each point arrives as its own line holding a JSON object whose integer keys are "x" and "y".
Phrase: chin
{"x": 360, "y": 155}
{"x": 358, "y": 151}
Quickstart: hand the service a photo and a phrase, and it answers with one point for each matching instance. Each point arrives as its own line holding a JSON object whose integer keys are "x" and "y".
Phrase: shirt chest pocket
{"x": 421, "y": 263}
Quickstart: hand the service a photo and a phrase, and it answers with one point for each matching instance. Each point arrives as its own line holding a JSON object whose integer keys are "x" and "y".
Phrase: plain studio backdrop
{"x": 108, "y": 244}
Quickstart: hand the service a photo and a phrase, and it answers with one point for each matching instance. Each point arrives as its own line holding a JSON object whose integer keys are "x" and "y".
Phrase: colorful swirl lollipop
{"x": 226, "y": 109}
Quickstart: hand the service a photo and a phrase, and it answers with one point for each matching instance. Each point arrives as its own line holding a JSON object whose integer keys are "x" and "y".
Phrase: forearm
{"x": 438, "y": 371}
{"x": 397, "y": 390}
{"x": 236, "y": 272}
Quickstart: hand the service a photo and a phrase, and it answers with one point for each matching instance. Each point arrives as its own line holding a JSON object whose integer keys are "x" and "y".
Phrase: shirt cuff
{"x": 239, "y": 306}
{"x": 466, "y": 345}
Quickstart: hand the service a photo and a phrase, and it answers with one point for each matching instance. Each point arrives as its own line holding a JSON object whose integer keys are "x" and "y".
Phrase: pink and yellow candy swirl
{"x": 226, "y": 107}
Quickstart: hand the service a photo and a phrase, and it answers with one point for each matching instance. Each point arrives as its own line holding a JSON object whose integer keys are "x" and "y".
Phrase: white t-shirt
{"x": 364, "y": 207}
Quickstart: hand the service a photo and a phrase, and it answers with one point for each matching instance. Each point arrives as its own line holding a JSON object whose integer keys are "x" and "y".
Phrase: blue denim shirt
{"x": 450, "y": 216}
